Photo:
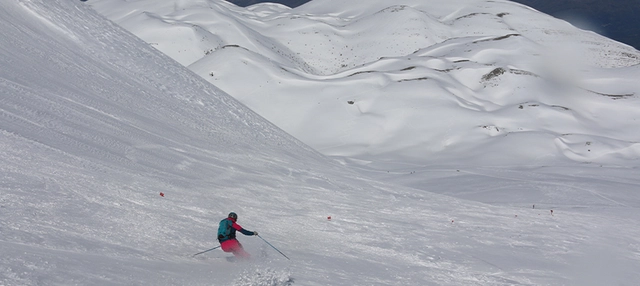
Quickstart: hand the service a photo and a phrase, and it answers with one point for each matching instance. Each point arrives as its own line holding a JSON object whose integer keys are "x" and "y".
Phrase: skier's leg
{"x": 227, "y": 245}
{"x": 239, "y": 251}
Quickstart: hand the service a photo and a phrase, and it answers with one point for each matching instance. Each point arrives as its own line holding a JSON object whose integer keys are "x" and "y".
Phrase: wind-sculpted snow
{"x": 117, "y": 162}
{"x": 430, "y": 74}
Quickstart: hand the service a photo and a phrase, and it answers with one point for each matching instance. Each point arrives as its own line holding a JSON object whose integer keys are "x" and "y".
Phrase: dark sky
{"x": 615, "y": 19}
{"x": 290, "y": 3}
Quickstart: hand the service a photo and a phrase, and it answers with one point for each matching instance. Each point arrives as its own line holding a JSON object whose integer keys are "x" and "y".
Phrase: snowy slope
{"x": 95, "y": 124}
{"x": 412, "y": 82}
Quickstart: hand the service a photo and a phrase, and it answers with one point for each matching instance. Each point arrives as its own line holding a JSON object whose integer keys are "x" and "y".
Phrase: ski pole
{"x": 207, "y": 250}
{"x": 273, "y": 247}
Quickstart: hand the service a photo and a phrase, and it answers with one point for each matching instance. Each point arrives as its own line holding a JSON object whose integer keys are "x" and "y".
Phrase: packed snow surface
{"x": 465, "y": 147}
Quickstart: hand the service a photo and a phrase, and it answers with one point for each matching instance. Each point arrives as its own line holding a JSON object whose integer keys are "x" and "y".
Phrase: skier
{"x": 227, "y": 236}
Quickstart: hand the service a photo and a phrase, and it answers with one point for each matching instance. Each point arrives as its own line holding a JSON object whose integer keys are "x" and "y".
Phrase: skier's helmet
{"x": 233, "y": 216}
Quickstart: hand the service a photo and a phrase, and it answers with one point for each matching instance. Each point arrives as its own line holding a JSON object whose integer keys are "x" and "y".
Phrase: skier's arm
{"x": 240, "y": 229}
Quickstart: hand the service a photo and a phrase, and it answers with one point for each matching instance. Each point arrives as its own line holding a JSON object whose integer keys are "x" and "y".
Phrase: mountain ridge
{"x": 481, "y": 57}
{"x": 614, "y": 19}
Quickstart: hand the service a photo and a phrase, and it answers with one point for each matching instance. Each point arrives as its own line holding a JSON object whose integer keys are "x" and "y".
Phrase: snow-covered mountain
{"x": 614, "y": 19}
{"x": 442, "y": 77}
{"x": 117, "y": 162}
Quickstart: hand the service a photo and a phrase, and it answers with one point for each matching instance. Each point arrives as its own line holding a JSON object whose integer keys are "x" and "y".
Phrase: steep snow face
{"x": 95, "y": 125}
{"x": 426, "y": 80}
